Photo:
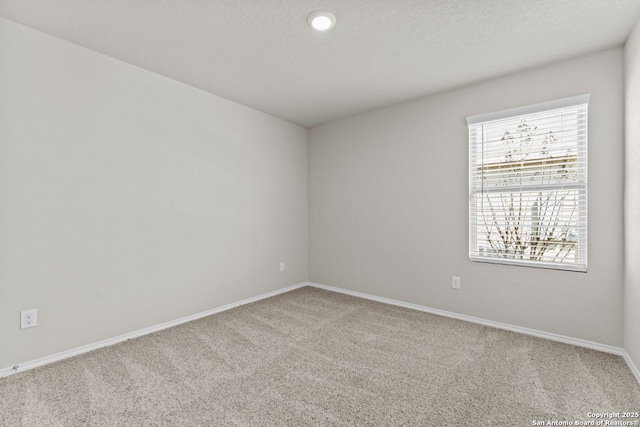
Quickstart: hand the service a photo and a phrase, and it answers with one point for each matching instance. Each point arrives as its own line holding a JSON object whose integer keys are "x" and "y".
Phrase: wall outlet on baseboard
{"x": 281, "y": 266}
{"x": 455, "y": 282}
{"x": 28, "y": 318}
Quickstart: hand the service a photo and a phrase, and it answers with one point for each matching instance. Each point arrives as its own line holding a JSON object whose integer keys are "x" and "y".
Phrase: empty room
{"x": 300, "y": 212}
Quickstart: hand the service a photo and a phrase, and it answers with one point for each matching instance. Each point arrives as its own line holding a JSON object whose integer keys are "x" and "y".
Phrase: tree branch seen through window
{"x": 528, "y": 188}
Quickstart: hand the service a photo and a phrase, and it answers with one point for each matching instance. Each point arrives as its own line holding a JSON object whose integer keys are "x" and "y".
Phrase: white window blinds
{"x": 528, "y": 185}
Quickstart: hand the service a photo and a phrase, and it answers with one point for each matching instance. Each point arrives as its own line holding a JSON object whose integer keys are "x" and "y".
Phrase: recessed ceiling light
{"x": 321, "y": 20}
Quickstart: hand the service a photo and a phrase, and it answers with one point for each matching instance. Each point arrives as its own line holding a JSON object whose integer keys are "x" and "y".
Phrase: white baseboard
{"x": 104, "y": 343}
{"x": 540, "y": 334}
{"x": 632, "y": 366}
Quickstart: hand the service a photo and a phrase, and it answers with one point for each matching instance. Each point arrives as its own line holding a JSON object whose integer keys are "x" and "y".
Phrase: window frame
{"x": 473, "y": 123}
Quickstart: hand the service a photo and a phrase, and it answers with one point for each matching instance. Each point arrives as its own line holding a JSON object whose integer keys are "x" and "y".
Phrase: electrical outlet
{"x": 281, "y": 266}
{"x": 28, "y": 318}
{"x": 455, "y": 282}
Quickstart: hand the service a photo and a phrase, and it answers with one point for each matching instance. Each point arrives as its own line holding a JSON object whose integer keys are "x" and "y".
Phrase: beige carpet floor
{"x": 313, "y": 357}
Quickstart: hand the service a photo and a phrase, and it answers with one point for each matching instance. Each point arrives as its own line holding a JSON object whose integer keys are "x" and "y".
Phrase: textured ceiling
{"x": 261, "y": 53}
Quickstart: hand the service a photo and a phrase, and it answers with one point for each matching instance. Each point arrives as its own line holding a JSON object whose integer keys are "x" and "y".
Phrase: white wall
{"x": 389, "y": 211}
{"x": 632, "y": 199}
{"x": 128, "y": 199}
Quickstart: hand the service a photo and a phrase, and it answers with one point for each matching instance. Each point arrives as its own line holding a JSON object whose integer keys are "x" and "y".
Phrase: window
{"x": 528, "y": 185}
